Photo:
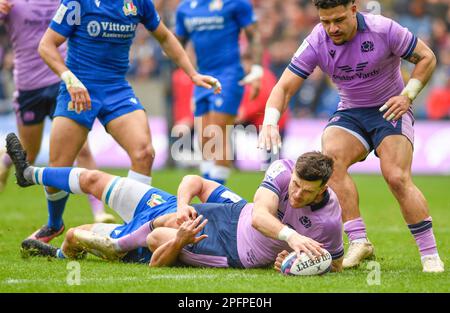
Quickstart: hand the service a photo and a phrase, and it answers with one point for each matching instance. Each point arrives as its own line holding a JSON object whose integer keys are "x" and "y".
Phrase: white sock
{"x": 362, "y": 240}
{"x": 219, "y": 172}
{"x": 206, "y": 166}
{"x": 140, "y": 177}
{"x": 74, "y": 180}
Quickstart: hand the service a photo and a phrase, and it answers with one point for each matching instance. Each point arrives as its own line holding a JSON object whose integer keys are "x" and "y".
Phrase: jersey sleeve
{"x": 150, "y": 17}
{"x": 305, "y": 59}
{"x": 180, "y": 28}
{"x": 67, "y": 17}
{"x": 223, "y": 195}
{"x": 401, "y": 41}
{"x": 331, "y": 238}
{"x": 277, "y": 177}
{"x": 244, "y": 13}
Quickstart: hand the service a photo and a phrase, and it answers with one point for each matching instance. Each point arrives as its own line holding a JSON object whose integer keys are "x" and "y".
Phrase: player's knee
{"x": 397, "y": 180}
{"x": 144, "y": 154}
{"x": 70, "y": 235}
{"x": 89, "y": 178}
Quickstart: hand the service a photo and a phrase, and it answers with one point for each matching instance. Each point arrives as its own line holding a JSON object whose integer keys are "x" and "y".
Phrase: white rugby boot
{"x": 101, "y": 246}
{"x": 104, "y": 218}
{"x": 432, "y": 264}
{"x": 357, "y": 252}
{"x": 4, "y": 170}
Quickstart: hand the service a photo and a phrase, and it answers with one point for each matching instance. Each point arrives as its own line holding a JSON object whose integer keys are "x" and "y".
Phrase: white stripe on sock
{"x": 74, "y": 180}
{"x": 55, "y": 196}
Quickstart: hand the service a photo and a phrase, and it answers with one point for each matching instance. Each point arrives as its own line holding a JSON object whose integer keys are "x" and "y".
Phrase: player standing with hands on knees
{"x": 99, "y": 35}
{"x": 361, "y": 53}
{"x": 36, "y": 89}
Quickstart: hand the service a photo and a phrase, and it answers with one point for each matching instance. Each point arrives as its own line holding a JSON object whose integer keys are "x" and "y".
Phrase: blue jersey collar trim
{"x": 361, "y": 22}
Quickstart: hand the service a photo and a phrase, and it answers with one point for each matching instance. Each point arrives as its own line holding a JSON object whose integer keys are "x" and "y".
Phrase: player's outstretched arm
{"x": 48, "y": 50}
{"x": 172, "y": 47}
{"x": 264, "y": 220}
{"x": 425, "y": 61}
{"x": 286, "y": 87}
{"x": 190, "y": 187}
{"x": 167, "y": 243}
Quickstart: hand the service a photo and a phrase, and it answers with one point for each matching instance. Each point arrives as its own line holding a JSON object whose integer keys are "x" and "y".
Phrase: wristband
{"x": 285, "y": 233}
{"x": 71, "y": 80}
{"x": 412, "y": 89}
{"x": 271, "y": 116}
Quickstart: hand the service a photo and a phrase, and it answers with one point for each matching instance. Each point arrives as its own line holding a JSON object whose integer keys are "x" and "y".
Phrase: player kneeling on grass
{"x": 294, "y": 210}
{"x": 137, "y": 204}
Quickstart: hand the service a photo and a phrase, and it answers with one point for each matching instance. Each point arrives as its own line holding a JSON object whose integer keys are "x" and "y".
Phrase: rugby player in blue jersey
{"x": 213, "y": 27}
{"x": 99, "y": 35}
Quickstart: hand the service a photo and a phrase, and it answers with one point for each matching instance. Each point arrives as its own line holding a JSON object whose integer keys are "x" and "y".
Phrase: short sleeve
{"x": 401, "y": 41}
{"x": 150, "y": 17}
{"x": 223, "y": 195}
{"x": 67, "y": 17}
{"x": 277, "y": 177}
{"x": 244, "y": 13}
{"x": 304, "y": 60}
{"x": 332, "y": 239}
{"x": 180, "y": 28}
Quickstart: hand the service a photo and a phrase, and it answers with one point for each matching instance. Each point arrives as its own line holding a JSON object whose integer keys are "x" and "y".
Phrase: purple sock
{"x": 96, "y": 205}
{"x": 136, "y": 239}
{"x": 423, "y": 234}
{"x": 7, "y": 160}
{"x": 355, "y": 229}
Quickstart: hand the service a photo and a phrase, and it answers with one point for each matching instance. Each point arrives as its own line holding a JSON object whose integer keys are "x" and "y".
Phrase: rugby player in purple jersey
{"x": 362, "y": 53}
{"x": 36, "y": 91}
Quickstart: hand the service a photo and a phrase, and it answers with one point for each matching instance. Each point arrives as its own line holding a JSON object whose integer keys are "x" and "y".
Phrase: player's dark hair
{"x": 312, "y": 166}
{"x": 327, "y": 4}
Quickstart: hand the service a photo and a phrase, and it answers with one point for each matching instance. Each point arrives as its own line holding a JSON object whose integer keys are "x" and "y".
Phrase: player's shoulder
{"x": 279, "y": 167}
{"x": 377, "y": 23}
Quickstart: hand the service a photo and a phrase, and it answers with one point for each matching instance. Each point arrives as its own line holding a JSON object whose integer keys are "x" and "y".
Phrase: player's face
{"x": 339, "y": 22}
{"x": 303, "y": 192}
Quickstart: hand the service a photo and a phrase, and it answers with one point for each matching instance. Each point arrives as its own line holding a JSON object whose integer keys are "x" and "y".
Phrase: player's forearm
{"x": 266, "y": 223}
{"x": 52, "y": 57}
{"x": 172, "y": 47}
{"x": 166, "y": 254}
{"x": 425, "y": 67}
{"x": 190, "y": 187}
{"x": 255, "y": 46}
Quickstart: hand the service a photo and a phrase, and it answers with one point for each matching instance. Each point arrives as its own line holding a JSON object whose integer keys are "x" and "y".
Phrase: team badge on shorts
{"x": 129, "y": 8}
{"x": 155, "y": 200}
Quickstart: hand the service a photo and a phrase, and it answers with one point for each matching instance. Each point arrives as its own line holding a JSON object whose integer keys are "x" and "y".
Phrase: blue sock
{"x": 57, "y": 177}
{"x": 60, "y": 254}
{"x": 206, "y": 176}
{"x": 56, "y": 203}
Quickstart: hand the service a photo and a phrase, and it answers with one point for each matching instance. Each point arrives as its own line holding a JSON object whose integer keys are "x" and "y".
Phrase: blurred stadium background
{"x": 166, "y": 91}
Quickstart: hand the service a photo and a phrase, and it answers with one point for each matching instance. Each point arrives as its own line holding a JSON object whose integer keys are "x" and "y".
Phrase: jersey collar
{"x": 321, "y": 204}
{"x": 361, "y": 22}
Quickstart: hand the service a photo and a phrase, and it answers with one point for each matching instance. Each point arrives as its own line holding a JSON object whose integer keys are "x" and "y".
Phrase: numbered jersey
{"x": 26, "y": 23}
{"x": 366, "y": 70}
{"x": 100, "y": 34}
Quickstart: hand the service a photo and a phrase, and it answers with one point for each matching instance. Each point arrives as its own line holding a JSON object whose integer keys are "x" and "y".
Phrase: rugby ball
{"x": 304, "y": 266}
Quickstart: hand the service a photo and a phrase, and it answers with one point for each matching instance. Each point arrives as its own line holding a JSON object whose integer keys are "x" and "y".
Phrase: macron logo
{"x": 97, "y": 3}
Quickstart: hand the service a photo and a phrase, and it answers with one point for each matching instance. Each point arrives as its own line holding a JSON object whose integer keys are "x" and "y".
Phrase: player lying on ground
{"x": 293, "y": 210}
{"x": 138, "y": 204}
{"x": 361, "y": 53}
{"x": 316, "y": 207}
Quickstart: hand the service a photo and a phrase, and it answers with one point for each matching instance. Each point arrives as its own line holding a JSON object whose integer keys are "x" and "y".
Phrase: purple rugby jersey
{"x": 366, "y": 70}
{"x": 26, "y": 23}
{"x": 321, "y": 222}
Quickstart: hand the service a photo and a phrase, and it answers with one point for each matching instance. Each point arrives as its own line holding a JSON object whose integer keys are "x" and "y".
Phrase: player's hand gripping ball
{"x": 304, "y": 266}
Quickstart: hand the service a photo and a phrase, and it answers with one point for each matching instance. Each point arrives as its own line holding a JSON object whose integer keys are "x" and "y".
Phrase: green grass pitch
{"x": 24, "y": 210}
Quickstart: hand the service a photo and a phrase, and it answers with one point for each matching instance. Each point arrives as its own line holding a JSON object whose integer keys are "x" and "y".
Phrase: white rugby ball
{"x": 304, "y": 266}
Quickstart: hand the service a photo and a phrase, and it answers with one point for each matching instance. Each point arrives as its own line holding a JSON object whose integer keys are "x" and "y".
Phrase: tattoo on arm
{"x": 415, "y": 58}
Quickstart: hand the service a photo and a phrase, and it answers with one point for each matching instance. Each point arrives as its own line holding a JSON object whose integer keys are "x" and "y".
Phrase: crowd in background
{"x": 283, "y": 25}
